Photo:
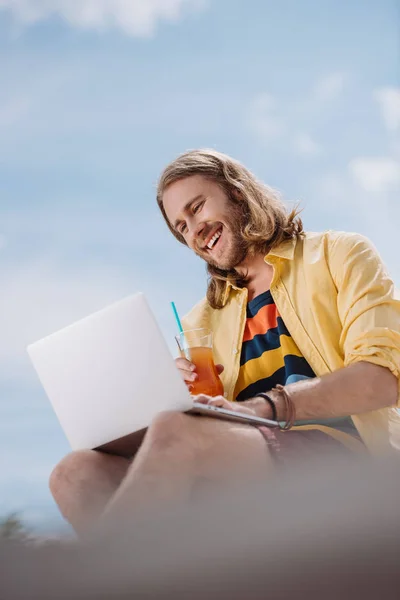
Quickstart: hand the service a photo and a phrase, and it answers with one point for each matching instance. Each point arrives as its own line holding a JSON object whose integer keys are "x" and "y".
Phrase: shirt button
{"x": 235, "y": 351}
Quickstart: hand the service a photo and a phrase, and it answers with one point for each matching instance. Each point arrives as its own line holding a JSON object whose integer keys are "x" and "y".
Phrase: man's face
{"x": 200, "y": 210}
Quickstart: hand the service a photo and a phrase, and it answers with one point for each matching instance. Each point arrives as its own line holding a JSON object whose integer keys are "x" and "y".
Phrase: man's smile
{"x": 213, "y": 238}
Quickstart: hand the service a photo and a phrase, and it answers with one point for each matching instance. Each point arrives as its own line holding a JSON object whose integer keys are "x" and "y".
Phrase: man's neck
{"x": 258, "y": 275}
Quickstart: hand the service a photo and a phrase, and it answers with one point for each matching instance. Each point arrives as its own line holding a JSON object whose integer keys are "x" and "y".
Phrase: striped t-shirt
{"x": 270, "y": 356}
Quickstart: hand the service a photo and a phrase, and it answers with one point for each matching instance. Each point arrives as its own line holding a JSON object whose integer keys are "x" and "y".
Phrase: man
{"x": 306, "y": 330}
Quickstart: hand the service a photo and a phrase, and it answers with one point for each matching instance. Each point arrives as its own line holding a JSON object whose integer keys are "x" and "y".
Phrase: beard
{"x": 236, "y": 249}
{"x": 234, "y": 254}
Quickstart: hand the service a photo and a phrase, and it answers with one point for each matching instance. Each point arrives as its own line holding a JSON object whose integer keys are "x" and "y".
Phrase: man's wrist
{"x": 271, "y": 403}
{"x": 261, "y": 407}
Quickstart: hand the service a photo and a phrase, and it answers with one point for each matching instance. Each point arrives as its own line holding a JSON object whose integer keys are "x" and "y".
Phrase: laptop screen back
{"x": 109, "y": 374}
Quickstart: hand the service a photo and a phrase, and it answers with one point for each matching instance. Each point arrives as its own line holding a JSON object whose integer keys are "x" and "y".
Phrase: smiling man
{"x": 306, "y": 331}
{"x": 308, "y": 320}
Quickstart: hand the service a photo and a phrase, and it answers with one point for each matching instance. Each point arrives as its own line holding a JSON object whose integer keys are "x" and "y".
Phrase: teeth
{"x": 213, "y": 239}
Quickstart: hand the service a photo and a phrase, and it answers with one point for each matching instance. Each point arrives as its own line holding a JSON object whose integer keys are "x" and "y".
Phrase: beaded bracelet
{"x": 271, "y": 403}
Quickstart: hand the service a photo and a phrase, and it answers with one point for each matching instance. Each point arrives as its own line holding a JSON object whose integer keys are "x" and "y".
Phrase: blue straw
{"x": 178, "y": 321}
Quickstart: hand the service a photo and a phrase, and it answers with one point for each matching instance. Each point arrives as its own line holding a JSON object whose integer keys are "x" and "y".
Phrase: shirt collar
{"x": 284, "y": 251}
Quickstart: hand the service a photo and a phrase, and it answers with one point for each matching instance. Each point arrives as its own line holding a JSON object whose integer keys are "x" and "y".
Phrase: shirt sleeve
{"x": 367, "y": 304}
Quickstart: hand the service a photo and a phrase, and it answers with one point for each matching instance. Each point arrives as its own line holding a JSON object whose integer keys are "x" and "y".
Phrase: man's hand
{"x": 221, "y": 402}
{"x": 188, "y": 370}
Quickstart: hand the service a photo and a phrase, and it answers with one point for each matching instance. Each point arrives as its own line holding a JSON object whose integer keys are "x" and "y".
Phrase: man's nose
{"x": 198, "y": 232}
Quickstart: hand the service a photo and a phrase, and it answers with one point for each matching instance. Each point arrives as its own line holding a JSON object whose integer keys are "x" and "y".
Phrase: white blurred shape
{"x": 134, "y": 17}
{"x": 38, "y": 299}
{"x": 305, "y": 145}
{"x": 329, "y": 87}
{"x": 377, "y": 174}
{"x": 388, "y": 99}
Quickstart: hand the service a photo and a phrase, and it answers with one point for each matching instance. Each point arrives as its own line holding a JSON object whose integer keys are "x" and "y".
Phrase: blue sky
{"x": 96, "y": 97}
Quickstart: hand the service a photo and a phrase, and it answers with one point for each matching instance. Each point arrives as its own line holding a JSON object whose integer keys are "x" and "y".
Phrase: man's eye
{"x": 197, "y": 207}
{"x": 182, "y": 228}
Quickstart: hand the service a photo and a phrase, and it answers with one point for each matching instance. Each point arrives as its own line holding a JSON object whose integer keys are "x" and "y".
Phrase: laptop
{"x": 108, "y": 375}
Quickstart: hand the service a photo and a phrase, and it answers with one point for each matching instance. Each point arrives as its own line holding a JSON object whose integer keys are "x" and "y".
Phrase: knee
{"x": 71, "y": 468}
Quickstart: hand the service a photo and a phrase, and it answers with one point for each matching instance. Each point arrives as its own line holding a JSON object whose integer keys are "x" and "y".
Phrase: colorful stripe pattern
{"x": 270, "y": 356}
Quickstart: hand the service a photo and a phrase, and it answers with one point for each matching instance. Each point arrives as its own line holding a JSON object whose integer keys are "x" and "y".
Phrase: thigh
{"x": 229, "y": 450}
{"x": 180, "y": 447}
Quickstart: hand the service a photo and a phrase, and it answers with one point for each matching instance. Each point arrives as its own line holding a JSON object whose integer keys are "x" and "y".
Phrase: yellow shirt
{"x": 337, "y": 301}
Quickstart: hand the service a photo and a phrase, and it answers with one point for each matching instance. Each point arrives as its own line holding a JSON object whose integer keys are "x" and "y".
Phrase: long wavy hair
{"x": 264, "y": 219}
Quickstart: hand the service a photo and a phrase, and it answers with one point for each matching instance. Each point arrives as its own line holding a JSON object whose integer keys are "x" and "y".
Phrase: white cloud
{"x": 380, "y": 174}
{"x": 305, "y": 145}
{"x": 389, "y": 102}
{"x": 329, "y": 87}
{"x": 263, "y": 118}
{"x": 135, "y": 17}
{"x": 341, "y": 196}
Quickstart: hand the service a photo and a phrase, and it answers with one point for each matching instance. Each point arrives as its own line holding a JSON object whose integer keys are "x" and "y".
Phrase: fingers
{"x": 183, "y": 363}
{"x": 219, "y": 368}
{"x": 186, "y": 369}
{"x": 202, "y": 398}
{"x": 222, "y": 402}
{"x": 219, "y": 401}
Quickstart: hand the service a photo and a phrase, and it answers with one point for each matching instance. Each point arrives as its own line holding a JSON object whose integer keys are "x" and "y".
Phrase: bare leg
{"x": 179, "y": 451}
{"x": 83, "y": 483}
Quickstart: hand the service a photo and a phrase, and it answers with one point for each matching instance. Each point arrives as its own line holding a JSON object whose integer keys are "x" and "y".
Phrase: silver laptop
{"x": 108, "y": 375}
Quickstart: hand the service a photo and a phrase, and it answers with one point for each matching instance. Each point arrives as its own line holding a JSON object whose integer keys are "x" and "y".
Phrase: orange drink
{"x": 196, "y": 346}
{"x": 208, "y": 381}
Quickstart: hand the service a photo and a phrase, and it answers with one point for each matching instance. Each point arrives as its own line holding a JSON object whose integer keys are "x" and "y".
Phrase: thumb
{"x": 219, "y": 368}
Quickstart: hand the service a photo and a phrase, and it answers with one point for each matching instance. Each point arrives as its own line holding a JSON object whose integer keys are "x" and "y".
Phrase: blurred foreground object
{"x": 326, "y": 532}
{"x": 13, "y": 528}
